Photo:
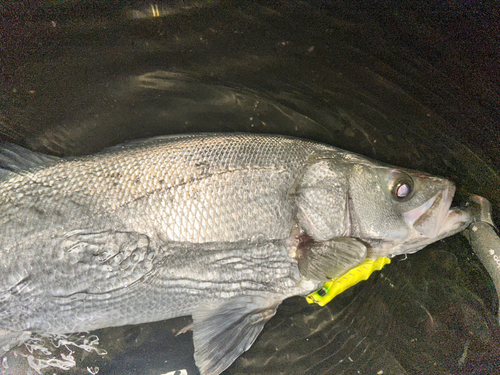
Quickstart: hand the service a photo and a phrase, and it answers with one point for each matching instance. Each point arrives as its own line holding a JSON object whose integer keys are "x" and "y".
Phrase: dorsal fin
{"x": 16, "y": 159}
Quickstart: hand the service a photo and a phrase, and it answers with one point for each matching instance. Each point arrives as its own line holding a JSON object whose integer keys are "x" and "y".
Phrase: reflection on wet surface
{"x": 79, "y": 81}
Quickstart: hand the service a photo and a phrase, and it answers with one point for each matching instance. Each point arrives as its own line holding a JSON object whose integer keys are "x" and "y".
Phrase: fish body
{"x": 222, "y": 227}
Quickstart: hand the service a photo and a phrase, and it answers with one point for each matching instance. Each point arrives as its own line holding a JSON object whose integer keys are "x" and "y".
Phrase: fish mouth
{"x": 428, "y": 218}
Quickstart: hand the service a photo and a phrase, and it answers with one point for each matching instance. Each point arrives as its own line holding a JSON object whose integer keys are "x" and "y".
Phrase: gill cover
{"x": 321, "y": 197}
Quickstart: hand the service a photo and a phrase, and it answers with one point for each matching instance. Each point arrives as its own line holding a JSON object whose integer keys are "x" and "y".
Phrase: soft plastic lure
{"x": 484, "y": 239}
{"x": 340, "y": 284}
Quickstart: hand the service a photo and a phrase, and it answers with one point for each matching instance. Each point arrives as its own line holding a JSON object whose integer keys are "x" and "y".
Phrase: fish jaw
{"x": 428, "y": 219}
{"x": 455, "y": 221}
{"x": 436, "y": 219}
{"x": 432, "y": 221}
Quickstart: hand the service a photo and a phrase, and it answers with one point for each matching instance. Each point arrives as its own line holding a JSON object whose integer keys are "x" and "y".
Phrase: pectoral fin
{"x": 221, "y": 333}
{"x": 329, "y": 259}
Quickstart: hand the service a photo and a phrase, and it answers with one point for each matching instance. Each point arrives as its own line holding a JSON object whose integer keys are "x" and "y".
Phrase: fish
{"x": 221, "y": 227}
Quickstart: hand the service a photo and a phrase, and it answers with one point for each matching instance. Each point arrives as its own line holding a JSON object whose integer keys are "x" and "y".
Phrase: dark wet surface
{"x": 411, "y": 85}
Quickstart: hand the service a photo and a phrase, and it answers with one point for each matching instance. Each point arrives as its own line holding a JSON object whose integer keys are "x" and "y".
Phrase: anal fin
{"x": 222, "y": 332}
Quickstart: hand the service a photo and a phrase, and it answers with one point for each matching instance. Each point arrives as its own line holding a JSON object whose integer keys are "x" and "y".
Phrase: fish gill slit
{"x": 304, "y": 244}
{"x": 348, "y": 214}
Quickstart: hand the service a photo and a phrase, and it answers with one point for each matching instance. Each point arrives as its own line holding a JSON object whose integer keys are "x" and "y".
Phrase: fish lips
{"x": 428, "y": 218}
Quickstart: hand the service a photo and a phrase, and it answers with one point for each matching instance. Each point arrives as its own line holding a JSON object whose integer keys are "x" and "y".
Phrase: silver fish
{"x": 220, "y": 227}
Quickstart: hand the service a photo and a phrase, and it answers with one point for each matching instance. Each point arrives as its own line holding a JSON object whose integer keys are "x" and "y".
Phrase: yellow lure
{"x": 340, "y": 284}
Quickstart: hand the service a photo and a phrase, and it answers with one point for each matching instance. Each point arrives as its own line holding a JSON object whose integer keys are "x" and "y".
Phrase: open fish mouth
{"x": 428, "y": 218}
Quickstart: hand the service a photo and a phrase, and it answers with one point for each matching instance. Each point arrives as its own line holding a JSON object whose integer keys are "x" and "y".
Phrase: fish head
{"x": 400, "y": 211}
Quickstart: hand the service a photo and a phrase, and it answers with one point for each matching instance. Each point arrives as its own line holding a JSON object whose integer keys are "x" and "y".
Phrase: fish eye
{"x": 401, "y": 186}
